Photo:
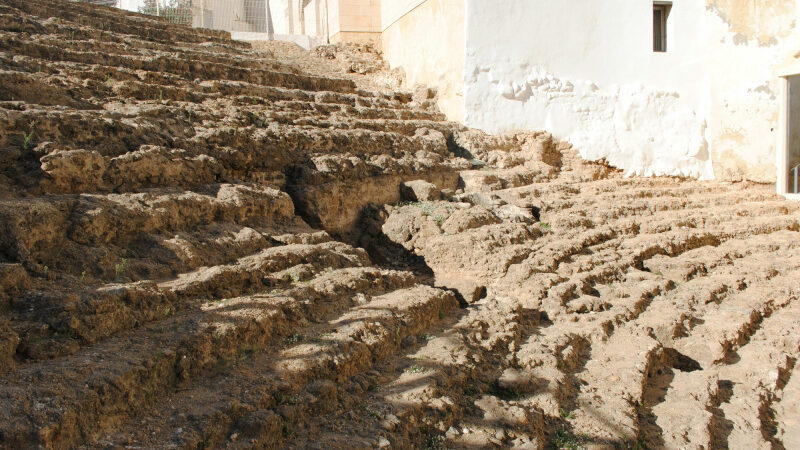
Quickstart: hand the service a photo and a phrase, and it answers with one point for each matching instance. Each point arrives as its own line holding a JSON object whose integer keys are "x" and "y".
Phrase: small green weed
{"x": 374, "y": 385}
{"x": 375, "y": 414}
{"x": 432, "y": 440}
{"x": 27, "y": 141}
{"x": 568, "y": 415}
{"x": 564, "y": 440}
{"x": 545, "y": 226}
{"x": 121, "y": 267}
{"x": 247, "y": 353}
{"x": 415, "y": 369}
{"x": 320, "y": 338}
{"x": 294, "y": 338}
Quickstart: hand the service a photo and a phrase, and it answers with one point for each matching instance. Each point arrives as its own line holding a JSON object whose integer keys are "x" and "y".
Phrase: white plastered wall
{"x": 425, "y": 38}
{"x": 588, "y": 74}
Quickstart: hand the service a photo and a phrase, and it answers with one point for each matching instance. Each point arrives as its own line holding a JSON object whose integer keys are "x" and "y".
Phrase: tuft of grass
{"x": 565, "y": 440}
{"x": 320, "y": 338}
{"x": 441, "y": 314}
{"x": 83, "y": 276}
{"x": 567, "y": 415}
{"x": 278, "y": 396}
{"x": 545, "y": 226}
{"x": 27, "y": 141}
{"x": 121, "y": 267}
{"x": 427, "y": 208}
{"x": 46, "y": 271}
{"x": 294, "y": 338}
{"x": 432, "y": 440}
{"x": 427, "y": 336}
{"x": 374, "y": 385}
{"x": 372, "y": 412}
{"x": 415, "y": 369}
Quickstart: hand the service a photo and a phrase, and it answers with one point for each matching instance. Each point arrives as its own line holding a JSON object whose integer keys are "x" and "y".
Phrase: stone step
{"x": 107, "y": 135}
{"x": 728, "y": 404}
{"x": 731, "y": 324}
{"x": 91, "y": 391}
{"x": 35, "y": 229}
{"x": 286, "y": 387}
{"x": 764, "y": 365}
{"x": 787, "y": 413}
{"x": 119, "y": 21}
{"x": 52, "y": 324}
{"x": 613, "y": 383}
{"x": 265, "y": 269}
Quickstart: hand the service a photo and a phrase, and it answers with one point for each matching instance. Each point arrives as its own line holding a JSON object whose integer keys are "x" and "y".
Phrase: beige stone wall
{"x": 355, "y": 20}
{"x": 747, "y": 39}
{"x": 427, "y": 42}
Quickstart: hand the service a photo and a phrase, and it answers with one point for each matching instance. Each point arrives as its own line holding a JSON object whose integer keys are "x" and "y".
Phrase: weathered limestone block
{"x": 419, "y": 191}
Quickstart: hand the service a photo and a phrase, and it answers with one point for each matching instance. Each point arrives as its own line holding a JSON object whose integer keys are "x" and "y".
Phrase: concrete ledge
{"x": 307, "y": 42}
{"x": 358, "y": 37}
{"x": 793, "y": 197}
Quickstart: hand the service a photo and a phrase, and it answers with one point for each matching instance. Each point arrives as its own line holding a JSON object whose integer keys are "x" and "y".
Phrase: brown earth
{"x": 204, "y": 246}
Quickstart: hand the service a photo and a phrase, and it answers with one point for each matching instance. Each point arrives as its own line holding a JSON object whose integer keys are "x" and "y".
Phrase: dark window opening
{"x": 793, "y": 137}
{"x": 660, "y": 15}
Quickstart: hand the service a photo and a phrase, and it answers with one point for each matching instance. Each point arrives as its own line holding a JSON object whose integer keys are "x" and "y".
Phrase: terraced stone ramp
{"x": 203, "y": 246}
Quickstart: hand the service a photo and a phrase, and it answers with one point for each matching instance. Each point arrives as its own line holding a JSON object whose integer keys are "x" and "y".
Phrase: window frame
{"x": 660, "y": 30}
